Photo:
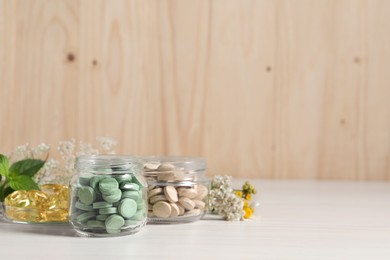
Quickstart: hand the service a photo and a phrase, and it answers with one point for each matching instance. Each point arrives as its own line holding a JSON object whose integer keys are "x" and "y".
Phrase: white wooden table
{"x": 296, "y": 220}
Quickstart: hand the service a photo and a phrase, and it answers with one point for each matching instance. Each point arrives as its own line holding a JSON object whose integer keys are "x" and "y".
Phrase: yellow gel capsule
{"x": 57, "y": 215}
{"x": 37, "y": 198}
{"x": 17, "y": 198}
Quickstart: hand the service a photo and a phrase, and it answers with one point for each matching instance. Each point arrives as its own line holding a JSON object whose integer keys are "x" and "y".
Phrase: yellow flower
{"x": 246, "y": 204}
{"x": 248, "y": 212}
{"x": 238, "y": 193}
{"x": 248, "y": 197}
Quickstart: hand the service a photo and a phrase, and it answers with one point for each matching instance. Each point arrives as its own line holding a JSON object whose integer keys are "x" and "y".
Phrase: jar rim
{"x": 186, "y": 163}
{"x": 117, "y": 163}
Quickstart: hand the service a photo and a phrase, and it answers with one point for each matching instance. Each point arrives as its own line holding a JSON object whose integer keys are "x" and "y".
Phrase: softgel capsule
{"x": 108, "y": 196}
{"x": 178, "y": 189}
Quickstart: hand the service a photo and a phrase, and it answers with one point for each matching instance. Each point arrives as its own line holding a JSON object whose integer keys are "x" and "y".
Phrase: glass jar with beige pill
{"x": 177, "y": 189}
{"x": 108, "y": 196}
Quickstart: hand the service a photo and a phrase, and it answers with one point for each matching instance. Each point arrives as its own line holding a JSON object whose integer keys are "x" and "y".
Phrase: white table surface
{"x": 296, "y": 220}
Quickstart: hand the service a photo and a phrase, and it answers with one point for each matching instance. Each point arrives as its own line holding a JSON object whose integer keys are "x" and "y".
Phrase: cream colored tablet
{"x": 162, "y": 209}
{"x": 154, "y": 192}
{"x": 157, "y": 198}
{"x": 199, "y": 204}
{"x": 189, "y": 193}
{"x": 187, "y": 203}
{"x": 171, "y": 193}
{"x": 175, "y": 211}
{"x": 202, "y": 192}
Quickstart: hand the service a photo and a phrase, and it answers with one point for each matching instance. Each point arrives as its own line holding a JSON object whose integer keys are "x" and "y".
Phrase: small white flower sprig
{"x": 224, "y": 201}
{"x": 61, "y": 171}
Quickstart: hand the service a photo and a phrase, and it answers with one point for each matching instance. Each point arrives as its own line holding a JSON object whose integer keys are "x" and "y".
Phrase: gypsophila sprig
{"x": 59, "y": 168}
{"x": 223, "y": 201}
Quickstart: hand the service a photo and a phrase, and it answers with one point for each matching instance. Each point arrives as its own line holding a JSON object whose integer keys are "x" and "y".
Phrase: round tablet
{"x": 129, "y": 186}
{"x": 101, "y": 205}
{"x": 187, "y": 203}
{"x": 111, "y": 210}
{"x": 199, "y": 204}
{"x": 127, "y": 208}
{"x": 162, "y": 209}
{"x": 155, "y": 191}
{"x": 85, "y": 216}
{"x": 157, "y": 198}
{"x": 95, "y": 224}
{"x": 113, "y": 197}
{"x": 139, "y": 215}
{"x": 131, "y": 194}
{"x": 94, "y": 181}
{"x": 114, "y": 222}
{"x": 189, "y": 193}
{"x": 83, "y": 180}
{"x": 82, "y": 206}
{"x": 87, "y": 195}
{"x": 165, "y": 167}
{"x": 202, "y": 192}
{"x": 123, "y": 178}
{"x": 102, "y": 217}
{"x": 171, "y": 193}
{"x": 175, "y": 211}
{"x": 108, "y": 185}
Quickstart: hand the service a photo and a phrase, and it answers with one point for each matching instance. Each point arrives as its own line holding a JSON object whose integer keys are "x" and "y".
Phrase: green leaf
{"x": 23, "y": 182}
{"x": 4, "y": 163}
{"x": 28, "y": 167}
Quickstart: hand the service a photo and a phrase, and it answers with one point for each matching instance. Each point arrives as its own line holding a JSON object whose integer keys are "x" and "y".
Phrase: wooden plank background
{"x": 266, "y": 88}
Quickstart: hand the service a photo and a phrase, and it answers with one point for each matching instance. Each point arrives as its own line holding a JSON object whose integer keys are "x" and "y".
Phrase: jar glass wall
{"x": 108, "y": 196}
{"x": 178, "y": 188}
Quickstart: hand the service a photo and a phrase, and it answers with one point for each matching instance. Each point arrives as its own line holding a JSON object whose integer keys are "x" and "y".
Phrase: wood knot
{"x": 356, "y": 60}
{"x": 94, "y": 63}
{"x": 342, "y": 121}
{"x": 268, "y": 69}
{"x": 70, "y": 57}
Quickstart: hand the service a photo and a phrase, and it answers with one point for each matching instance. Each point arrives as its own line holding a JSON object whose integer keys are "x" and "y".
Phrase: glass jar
{"x": 108, "y": 196}
{"x": 177, "y": 188}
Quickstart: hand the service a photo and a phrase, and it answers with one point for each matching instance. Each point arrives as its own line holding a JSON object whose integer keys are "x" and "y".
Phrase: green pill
{"x": 114, "y": 197}
{"x": 123, "y": 178}
{"x": 101, "y": 205}
{"x": 95, "y": 224}
{"x": 83, "y": 180}
{"x": 113, "y": 231}
{"x": 87, "y": 195}
{"x": 129, "y": 186}
{"x": 94, "y": 181}
{"x": 132, "y": 222}
{"x": 114, "y": 222}
{"x": 139, "y": 215}
{"x": 141, "y": 204}
{"x": 132, "y": 194}
{"x": 85, "y": 216}
{"x": 111, "y": 210}
{"x": 108, "y": 186}
{"x": 127, "y": 208}
{"x": 82, "y": 206}
{"x": 102, "y": 217}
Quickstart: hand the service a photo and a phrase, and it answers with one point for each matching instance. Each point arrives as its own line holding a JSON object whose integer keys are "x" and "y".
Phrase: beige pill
{"x": 193, "y": 212}
{"x": 202, "y": 192}
{"x": 151, "y": 166}
{"x": 187, "y": 203}
{"x": 165, "y": 167}
{"x": 199, "y": 204}
{"x": 189, "y": 193}
{"x": 157, "y": 198}
{"x": 150, "y": 214}
{"x": 175, "y": 211}
{"x": 151, "y": 187}
{"x": 166, "y": 176}
{"x": 162, "y": 209}
{"x": 154, "y": 192}
{"x": 171, "y": 193}
{"x": 181, "y": 209}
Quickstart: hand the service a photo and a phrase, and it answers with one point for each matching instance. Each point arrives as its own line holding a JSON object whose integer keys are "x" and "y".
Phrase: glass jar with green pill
{"x": 108, "y": 196}
{"x": 177, "y": 188}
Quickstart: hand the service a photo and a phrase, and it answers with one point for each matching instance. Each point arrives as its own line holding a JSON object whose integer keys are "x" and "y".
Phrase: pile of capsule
{"x": 49, "y": 204}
